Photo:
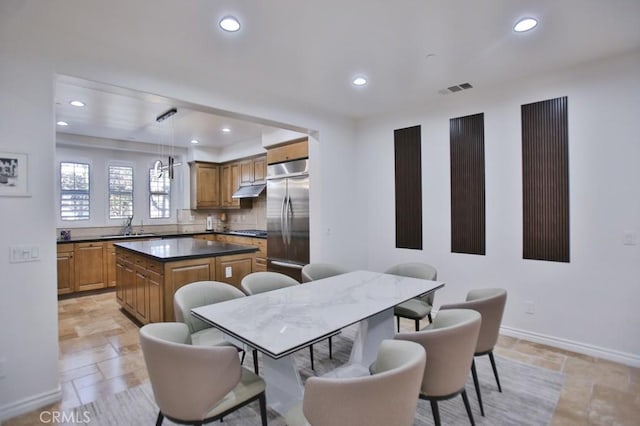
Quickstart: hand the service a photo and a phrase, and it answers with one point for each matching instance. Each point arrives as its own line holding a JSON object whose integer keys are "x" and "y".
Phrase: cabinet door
{"x": 205, "y": 185}
{"x": 110, "y": 251}
{"x": 120, "y": 282}
{"x": 231, "y": 269}
{"x": 141, "y": 290}
{"x": 260, "y": 169}
{"x": 246, "y": 172}
{"x": 128, "y": 284}
{"x": 154, "y": 292}
{"x": 90, "y": 271}
{"x": 66, "y": 274}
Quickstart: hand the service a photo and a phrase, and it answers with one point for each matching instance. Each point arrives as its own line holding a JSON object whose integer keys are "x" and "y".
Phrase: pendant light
{"x": 158, "y": 167}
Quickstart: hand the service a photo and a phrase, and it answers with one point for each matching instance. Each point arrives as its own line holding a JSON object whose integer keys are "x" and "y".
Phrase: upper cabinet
{"x": 253, "y": 170}
{"x": 205, "y": 185}
{"x": 294, "y": 150}
{"x": 213, "y": 184}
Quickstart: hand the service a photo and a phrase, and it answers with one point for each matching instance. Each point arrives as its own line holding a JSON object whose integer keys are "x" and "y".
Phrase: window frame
{"x": 64, "y": 192}
{"x": 110, "y": 192}
{"x": 152, "y": 193}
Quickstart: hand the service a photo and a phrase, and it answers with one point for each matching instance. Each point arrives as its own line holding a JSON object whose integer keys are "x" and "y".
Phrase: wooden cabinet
{"x": 231, "y": 269}
{"x": 230, "y": 182}
{"x": 90, "y": 266}
{"x": 253, "y": 170}
{"x": 66, "y": 269}
{"x": 145, "y": 287}
{"x": 205, "y": 185}
{"x": 294, "y": 150}
{"x": 259, "y": 261}
{"x": 110, "y": 253}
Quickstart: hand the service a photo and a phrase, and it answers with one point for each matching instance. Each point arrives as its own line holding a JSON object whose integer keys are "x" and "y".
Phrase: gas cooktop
{"x": 249, "y": 232}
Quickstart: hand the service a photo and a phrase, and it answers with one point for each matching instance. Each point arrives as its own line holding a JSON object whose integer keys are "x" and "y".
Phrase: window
{"x": 74, "y": 191}
{"x": 120, "y": 192}
{"x": 159, "y": 195}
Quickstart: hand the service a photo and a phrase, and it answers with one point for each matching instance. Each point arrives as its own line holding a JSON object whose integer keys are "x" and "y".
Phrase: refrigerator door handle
{"x": 283, "y": 223}
{"x": 289, "y": 218}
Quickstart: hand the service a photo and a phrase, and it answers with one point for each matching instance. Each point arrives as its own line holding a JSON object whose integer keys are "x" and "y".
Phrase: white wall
{"x": 28, "y": 312}
{"x": 589, "y": 304}
{"x": 30, "y": 59}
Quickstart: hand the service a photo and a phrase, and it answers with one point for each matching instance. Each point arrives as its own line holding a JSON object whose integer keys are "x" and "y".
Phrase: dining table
{"x": 281, "y": 322}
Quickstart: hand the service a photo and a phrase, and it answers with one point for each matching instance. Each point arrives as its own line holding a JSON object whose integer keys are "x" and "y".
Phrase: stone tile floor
{"x": 100, "y": 355}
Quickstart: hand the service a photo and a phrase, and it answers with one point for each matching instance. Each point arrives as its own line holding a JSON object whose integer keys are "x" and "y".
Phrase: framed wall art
{"x": 14, "y": 172}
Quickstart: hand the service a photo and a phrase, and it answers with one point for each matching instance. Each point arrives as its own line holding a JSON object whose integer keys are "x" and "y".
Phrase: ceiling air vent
{"x": 456, "y": 88}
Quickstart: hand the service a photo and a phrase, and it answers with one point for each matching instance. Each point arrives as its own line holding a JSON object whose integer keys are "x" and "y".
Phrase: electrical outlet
{"x": 530, "y": 308}
{"x": 228, "y": 272}
{"x": 629, "y": 238}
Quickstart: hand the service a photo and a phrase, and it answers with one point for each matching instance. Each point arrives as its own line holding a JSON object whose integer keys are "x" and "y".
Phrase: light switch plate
{"x": 629, "y": 238}
{"x": 19, "y": 254}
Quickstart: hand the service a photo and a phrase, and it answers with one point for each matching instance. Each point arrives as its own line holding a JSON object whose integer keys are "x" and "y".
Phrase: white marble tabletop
{"x": 283, "y": 321}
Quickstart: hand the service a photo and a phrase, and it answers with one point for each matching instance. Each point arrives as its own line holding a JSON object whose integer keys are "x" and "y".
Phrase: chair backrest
{"x": 388, "y": 397}
{"x": 450, "y": 343}
{"x": 490, "y": 303}
{"x": 260, "y": 282}
{"x": 187, "y": 381}
{"x": 318, "y": 271}
{"x": 200, "y": 293}
{"x": 416, "y": 270}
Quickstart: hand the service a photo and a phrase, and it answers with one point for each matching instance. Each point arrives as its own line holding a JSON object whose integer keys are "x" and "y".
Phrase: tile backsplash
{"x": 253, "y": 218}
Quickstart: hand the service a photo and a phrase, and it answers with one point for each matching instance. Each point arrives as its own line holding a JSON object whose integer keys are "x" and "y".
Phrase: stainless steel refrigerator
{"x": 288, "y": 217}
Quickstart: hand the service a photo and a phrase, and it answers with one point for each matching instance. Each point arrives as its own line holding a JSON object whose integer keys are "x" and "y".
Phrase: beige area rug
{"x": 529, "y": 395}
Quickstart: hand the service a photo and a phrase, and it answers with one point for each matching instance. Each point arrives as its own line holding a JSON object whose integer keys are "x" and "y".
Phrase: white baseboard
{"x": 29, "y": 404}
{"x": 570, "y": 345}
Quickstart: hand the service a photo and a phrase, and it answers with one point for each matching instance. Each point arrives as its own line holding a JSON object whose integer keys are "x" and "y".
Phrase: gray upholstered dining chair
{"x": 318, "y": 271}
{"x": 419, "y": 307}
{"x": 201, "y": 293}
{"x": 490, "y": 303}
{"x": 387, "y": 397}
{"x": 449, "y": 341}
{"x": 262, "y": 282}
{"x": 196, "y": 384}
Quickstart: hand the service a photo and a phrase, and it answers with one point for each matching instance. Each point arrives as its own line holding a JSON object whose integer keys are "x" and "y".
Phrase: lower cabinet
{"x": 145, "y": 287}
{"x": 66, "y": 269}
{"x": 90, "y": 266}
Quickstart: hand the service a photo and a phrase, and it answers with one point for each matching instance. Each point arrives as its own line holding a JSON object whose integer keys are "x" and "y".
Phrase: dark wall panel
{"x": 466, "y": 139}
{"x": 408, "y": 175}
{"x": 545, "y": 180}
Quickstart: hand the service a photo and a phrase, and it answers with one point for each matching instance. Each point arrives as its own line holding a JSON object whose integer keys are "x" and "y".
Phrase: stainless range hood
{"x": 249, "y": 191}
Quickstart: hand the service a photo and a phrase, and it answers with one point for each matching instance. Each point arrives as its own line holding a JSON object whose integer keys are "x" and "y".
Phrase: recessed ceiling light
{"x": 195, "y": 141}
{"x": 229, "y": 24}
{"x": 77, "y": 103}
{"x": 525, "y": 24}
{"x": 62, "y": 123}
{"x": 359, "y": 81}
{"x": 226, "y": 129}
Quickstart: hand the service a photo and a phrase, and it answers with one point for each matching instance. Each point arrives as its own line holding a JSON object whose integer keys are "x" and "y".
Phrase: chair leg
{"x": 398, "y": 321}
{"x": 429, "y": 316}
{"x": 160, "y": 418}
{"x": 330, "y": 349}
{"x": 476, "y": 383}
{"x": 468, "y": 407}
{"x": 255, "y": 361}
{"x": 263, "y": 409}
{"x": 417, "y": 325}
{"x": 311, "y": 356}
{"x": 435, "y": 411}
{"x": 242, "y": 359}
{"x": 495, "y": 370}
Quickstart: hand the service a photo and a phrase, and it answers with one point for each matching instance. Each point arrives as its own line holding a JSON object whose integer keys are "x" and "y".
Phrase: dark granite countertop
{"x": 134, "y": 237}
{"x": 172, "y": 249}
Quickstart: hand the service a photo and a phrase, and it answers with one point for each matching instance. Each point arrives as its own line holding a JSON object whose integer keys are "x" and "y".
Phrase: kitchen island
{"x": 148, "y": 273}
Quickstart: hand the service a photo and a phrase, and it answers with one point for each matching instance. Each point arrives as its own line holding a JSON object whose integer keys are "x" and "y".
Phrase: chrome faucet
{"x": 128, "y": 229}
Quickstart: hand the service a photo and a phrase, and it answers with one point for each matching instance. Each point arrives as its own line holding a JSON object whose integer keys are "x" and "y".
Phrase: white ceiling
{"x": 303, "y": 54}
